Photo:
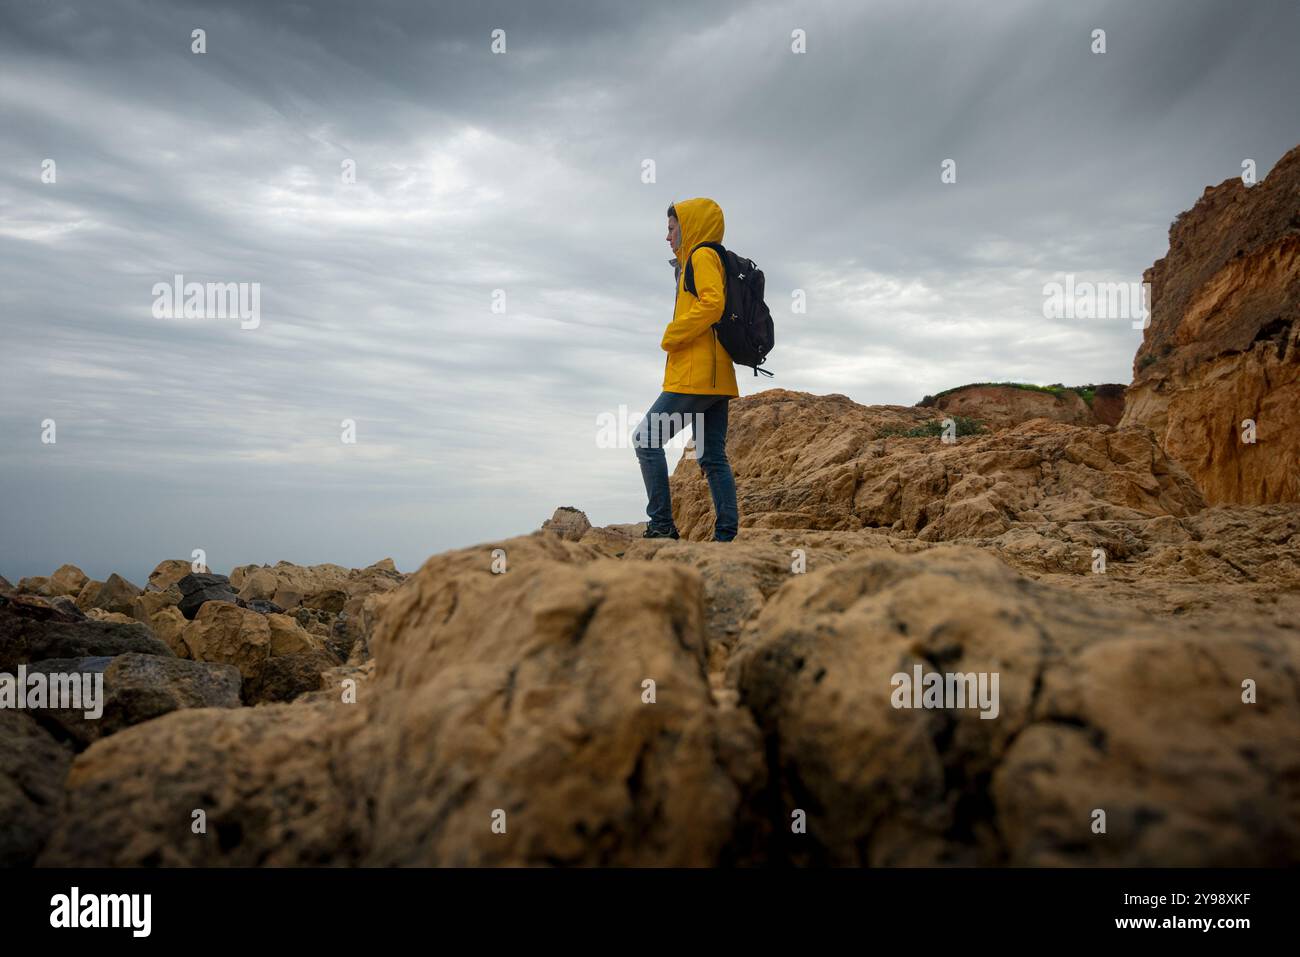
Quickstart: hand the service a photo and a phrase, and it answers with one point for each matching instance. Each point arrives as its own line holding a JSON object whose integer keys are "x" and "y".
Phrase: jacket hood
{"x": 700, "y": 221}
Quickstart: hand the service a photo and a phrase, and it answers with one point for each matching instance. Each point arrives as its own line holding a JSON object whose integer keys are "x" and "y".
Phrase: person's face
{"x": 674, "y": 233}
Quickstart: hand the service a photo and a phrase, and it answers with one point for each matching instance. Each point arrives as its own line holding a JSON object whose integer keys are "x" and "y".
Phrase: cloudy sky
{"x": 522, "y": 171}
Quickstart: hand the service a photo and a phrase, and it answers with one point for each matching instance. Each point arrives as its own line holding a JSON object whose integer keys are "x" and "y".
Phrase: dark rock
{"x": 68, "y": 606}
{"x": 200, "y": 587}
{"x": 197, "y": 581}
{"x": 262, "y": 606}
{"x": 40, "y": 609}
{"x": 24, "y": 639}
{"x": 115, "y": 595}
{"x": 33, "y": 766}
{"x": 284, "y": 677}
{"x": 138, "y": 688}
{"x": 331, "y": 600}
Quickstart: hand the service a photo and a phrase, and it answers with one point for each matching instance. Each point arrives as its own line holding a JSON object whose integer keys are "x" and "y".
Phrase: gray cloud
{"x": 521, "y": 172}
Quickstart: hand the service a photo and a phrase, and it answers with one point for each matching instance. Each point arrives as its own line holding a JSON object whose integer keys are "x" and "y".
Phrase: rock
{"x": 826, "y": 463}
{"x": 151, "y": 601}
{"x": 256, "y": 584}
{"x": 268, "y": 780}
{"x": 138, "y": 688}
{"x": 115, "y": 595}
{"x": 224, "y": 632}
{"x": 98, "y": 614}
{"x": 567, "y": 522}
{"x": 32, "y": 768}
{"x": 37, "y": 585}
{"x": 319, "y": 587}
{"x": 1223, "y": 344}
{"x": 1097, "y": 707}
{"x": 315, "y": 621}
{"x": 41, "y": 609}
{"x": 169, "y": 624}
{"x": 25, "y": 639}
{"x": 263, "y": 607}
{"x": 86, "y": 597}
{"x": 344, "y": 680}
{"x": 169, "y": 573}
{"x": 497, "y": 682}
{"x": 1108, "y": 403}
{"x": 285, "y": 677}
{"x": 289, "y": 638}
{"x": 737, "y": 579}
{"x": 331, "y": 600}
{"x": 69, "y": 580}
{"x": 6, "y": 588}
{"x": 199, "y": 588}
{"x": 68, "y": 607}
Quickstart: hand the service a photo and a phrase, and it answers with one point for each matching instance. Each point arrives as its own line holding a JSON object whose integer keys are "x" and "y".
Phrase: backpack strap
{"x": 689, "y": 283}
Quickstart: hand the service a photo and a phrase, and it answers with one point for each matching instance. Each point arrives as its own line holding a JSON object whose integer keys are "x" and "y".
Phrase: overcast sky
{"x": 523, "y": 171}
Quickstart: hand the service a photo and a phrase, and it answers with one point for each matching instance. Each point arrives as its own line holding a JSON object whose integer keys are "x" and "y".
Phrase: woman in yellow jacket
{"x": 699, "y": 380}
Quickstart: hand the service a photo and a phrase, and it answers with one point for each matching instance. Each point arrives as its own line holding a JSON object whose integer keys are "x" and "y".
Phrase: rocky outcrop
{"x": 1002, "y": 406}
{"x": 1097, "y": 708}
{"x": 136, "y": 688}
{"x": 563, "y": 661}
{"x": 1221, "y": 346}
{"x": 824, "y": 462}
{"x": 507, "y": 716}
{"x": 215, "y": 786}
{"x": 33, "y": 634}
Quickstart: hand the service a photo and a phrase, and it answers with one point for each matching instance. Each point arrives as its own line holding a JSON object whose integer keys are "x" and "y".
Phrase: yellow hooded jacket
{"x": 697, "y": 362}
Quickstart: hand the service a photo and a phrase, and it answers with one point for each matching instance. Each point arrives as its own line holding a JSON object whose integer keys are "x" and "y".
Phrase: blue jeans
{"x": 707, "y": 414}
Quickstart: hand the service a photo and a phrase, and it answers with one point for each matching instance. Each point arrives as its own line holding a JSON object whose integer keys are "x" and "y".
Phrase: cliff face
{"x": 1221, "y": 346}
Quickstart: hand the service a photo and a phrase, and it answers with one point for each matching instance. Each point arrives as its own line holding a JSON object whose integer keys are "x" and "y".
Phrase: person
{"x": 699, "y": 380}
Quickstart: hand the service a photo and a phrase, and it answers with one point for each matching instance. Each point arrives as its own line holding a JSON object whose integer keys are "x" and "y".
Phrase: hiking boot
{"x": 650, "y": 533}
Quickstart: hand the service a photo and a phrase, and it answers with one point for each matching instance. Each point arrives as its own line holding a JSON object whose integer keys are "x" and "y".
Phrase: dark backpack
{"x": 745, "y": 329}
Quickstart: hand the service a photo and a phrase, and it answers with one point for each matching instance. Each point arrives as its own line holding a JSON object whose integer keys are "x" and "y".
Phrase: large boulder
{"x": 285, "y": 677}
{"x": 1098, "y": 708}
{"x": 511, "y": 723}
{"x": 199, "y": 588}
{"x": 32, "y": 769}
{"x": 151, "y": 601}
{"x": 1223, "y": 343}
{"x": 169, "y": 625}
{"x": 115, "y": 596}
{"x": 24, "y": 638}
{"x": 225, "y": 633}
{"x": 169, "y": 573}
{"x": 86, "y": 597}
{"x": 267, "y": 780}
{"x": 138, "y": 688}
